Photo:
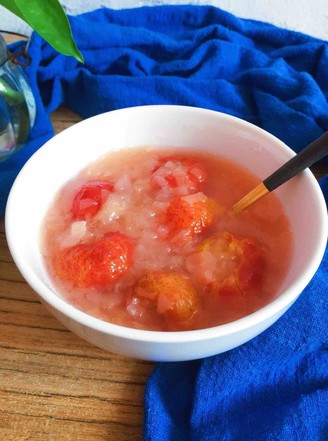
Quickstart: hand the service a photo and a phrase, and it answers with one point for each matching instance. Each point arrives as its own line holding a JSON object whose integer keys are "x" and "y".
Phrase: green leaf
{"x": 10, "y": 94}
{"x": 49, "y": 20}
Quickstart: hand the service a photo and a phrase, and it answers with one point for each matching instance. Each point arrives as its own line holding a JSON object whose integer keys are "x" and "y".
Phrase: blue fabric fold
{"x": 274, "y": 387}
{"x": 190, "y": 55}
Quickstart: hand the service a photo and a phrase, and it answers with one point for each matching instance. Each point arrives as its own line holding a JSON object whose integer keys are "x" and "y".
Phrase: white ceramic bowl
{"x": 65, "y": 154}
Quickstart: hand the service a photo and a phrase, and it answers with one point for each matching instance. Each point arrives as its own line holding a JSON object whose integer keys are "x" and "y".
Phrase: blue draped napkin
{"x": 192, "y": 55}
{"x": 273, "y": 388}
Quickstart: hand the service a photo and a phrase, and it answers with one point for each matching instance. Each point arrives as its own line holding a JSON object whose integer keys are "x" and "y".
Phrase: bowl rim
{"x": 281, "y": 303}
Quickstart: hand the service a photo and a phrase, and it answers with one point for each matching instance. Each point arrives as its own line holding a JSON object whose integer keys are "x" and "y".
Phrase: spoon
{"x": 304, "y": 159}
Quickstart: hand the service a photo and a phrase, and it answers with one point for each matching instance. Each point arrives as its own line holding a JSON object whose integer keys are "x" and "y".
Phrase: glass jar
{"x": 17, "y": 105}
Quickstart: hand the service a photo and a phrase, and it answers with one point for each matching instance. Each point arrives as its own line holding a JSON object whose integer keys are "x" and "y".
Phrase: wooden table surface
{"x": 53, "y": 385}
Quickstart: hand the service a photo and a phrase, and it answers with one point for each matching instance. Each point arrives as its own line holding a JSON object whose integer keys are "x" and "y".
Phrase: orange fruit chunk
{"x": 191, "y": 214}
{"x": 224, "y": 263}
{"x": 171, "y": 293}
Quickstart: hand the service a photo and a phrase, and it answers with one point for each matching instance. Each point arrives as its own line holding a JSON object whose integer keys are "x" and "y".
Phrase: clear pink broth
{"x": 132, "y": 209}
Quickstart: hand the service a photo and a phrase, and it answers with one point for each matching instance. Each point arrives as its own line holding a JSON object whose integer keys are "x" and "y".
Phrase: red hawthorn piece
{"x": 97, "y": 264}
{"x": 89, "y": 199}
{"x": 74, "y": 264}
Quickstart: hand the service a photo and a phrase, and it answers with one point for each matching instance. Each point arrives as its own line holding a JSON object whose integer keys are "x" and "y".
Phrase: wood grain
{"x": 53, "y": 385}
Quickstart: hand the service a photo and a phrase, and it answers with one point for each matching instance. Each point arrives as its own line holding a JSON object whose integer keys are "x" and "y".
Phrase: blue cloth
{"x": 274, "y": 387}
{"x": 191, "y": 55}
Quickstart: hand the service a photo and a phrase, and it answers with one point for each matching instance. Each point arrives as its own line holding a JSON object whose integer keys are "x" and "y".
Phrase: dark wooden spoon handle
{"x": 307, "y": 157}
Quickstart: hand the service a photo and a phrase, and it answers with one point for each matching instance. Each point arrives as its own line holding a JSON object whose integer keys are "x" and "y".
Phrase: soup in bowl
{"x": 129, "y": 240}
